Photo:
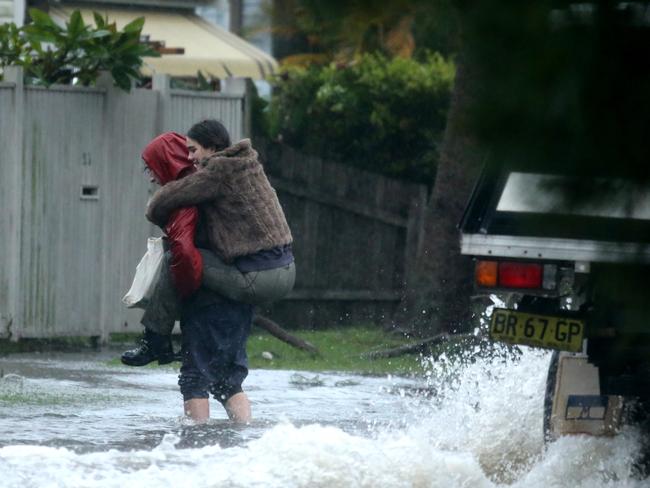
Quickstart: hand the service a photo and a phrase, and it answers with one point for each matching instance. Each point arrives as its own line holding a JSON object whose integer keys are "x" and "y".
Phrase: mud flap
{"x": 573, "y": 403}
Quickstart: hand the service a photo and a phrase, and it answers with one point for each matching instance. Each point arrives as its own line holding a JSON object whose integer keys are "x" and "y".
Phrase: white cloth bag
{"x": 146, "y": 274}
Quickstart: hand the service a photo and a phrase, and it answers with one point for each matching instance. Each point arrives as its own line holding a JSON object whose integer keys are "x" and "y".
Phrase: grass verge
{"x": 339, "y": 349}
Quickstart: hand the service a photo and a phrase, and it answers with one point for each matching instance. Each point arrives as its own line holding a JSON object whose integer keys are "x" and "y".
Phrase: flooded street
{"x": 72, "y": 420}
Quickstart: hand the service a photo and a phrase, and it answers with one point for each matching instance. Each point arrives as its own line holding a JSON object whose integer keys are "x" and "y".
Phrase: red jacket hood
{"x": 167, "y": 157}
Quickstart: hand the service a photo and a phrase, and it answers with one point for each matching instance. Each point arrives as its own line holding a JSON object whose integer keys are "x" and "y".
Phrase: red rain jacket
{"x": 167, "y": 158}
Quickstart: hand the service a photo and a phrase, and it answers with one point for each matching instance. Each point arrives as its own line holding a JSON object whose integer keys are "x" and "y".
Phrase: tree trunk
{"x": 437, "y": 294}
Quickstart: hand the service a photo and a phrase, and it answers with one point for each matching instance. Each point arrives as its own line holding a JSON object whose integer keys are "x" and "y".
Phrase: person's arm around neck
{"x": 192, "y": 190}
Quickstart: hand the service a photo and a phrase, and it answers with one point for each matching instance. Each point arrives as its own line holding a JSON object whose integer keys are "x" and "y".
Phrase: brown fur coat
{"x": 240, "y": 211}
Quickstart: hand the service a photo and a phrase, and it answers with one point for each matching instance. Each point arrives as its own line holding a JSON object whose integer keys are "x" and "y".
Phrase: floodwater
{"x": 72, "y": 420}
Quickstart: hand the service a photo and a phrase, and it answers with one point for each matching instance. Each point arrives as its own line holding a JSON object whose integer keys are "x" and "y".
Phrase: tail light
{"x": 520, "y": 275}
{"x": 509, "y": 274}
{"x": 486, "y": 273}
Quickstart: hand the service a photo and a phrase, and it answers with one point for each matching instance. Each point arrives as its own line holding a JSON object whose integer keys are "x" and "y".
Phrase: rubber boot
{"x": 152, "y": 347}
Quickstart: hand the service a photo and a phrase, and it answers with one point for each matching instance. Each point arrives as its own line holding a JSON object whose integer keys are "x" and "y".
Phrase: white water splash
{"x": 481, "y": 429}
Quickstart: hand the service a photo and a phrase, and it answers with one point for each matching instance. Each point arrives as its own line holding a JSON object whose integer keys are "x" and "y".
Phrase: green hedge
{"x": 382, "y": 115}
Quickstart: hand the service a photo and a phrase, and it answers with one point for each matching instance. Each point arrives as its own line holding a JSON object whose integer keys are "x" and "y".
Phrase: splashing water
{"x": 470, "y": 423}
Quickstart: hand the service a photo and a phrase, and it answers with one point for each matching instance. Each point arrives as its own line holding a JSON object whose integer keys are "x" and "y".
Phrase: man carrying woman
{"x": 242, "y": 257}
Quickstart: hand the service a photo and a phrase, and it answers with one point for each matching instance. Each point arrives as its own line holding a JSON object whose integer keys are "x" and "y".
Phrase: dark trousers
{"x": 214, "y": 339}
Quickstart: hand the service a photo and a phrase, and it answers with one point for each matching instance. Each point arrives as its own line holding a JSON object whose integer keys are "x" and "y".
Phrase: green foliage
{"x": 436, "y": 28}
{"x": 313, "y": 31}
{"x": 76, "y": 53}
{"x": 12, "y": 44}
{"x": 201, "y": 82}
{"x": 383, "y": 115}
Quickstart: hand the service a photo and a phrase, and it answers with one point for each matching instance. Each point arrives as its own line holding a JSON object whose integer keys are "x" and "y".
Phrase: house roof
{"x": 206, "y": 47}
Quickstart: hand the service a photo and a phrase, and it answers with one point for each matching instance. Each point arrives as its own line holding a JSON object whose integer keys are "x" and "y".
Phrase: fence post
{"x": 105, "y": 81}
{"x": 241, "y": 87}
{"x": 13, "y": 322}
{"x": 161, "y": 83}
{"x": 414, "y": 233}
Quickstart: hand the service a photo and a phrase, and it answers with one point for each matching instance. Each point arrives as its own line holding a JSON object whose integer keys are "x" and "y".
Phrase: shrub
{"x": 76, "y": 53}
{"x": 382, "y": 115}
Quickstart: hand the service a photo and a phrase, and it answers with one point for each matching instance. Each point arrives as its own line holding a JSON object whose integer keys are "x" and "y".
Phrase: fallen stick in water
{"x": 276, "y": 331}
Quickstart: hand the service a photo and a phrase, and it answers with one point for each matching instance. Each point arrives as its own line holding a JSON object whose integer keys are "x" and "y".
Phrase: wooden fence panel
{"x": 9, "y": 205}
{"x": 129, "y": 125}
{"x": 187, "y": 108}
{"x": 61, "y": 216}
{"x": 355, "y": 236}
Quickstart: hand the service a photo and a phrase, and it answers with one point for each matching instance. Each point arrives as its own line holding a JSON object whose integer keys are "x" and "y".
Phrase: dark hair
{"x": 211, "y": 134}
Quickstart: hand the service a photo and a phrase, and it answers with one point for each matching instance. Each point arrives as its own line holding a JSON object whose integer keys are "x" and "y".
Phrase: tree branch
{"x": 278, "y": 332}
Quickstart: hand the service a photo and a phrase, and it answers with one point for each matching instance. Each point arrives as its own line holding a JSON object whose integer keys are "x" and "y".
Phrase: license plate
{"x": 537, "y": 330}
